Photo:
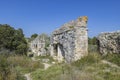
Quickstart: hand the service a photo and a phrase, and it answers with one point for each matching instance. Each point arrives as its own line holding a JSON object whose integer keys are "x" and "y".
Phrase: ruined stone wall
{"x": 70, "y": 42}
{"x": 37, "y": 46}
{"x": 109, "y": 42}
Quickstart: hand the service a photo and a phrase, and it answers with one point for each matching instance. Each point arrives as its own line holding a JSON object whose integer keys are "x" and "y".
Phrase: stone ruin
{"x": 38, "y": 46}
{"x": 109, "y": 42}
{"x": 70, "y": 42}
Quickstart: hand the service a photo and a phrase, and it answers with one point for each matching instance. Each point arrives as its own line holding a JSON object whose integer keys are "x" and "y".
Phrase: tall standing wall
{"x": 70, "y": 42}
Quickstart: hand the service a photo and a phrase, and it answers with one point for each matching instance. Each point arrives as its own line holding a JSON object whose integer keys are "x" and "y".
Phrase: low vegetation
{"x": 14, "y": 63}
{"x": 46, "y": 58}
{"x": 114, "y": 58}
{"x": 13, "y": 67}
{"x": 88, "y": 68}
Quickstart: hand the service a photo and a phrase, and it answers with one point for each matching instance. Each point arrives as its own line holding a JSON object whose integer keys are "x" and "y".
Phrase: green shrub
{"x": 92, "y": 48}
{"x": 24, "y": 64}
{"x": 12, "y": 40}
{"x": 48, "y": 74}
{"x": 12, "y": 67}
{"x": 87, "y": 68}
{"x": 91, "y": 58}
{"x": 71, "y": 27}
{"x": 8, "y": 71}
{"x": 114, "y": 58}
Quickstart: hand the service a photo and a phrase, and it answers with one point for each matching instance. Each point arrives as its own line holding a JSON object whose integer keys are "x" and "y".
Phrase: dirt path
{"x": 28, "y": 76}
{"x": 111, "y": 64}
{"x": 46, "y": 66}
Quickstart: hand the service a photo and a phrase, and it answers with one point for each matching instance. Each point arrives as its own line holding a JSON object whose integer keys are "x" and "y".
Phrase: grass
{"x": 46, "y": 74}
{"x": 13, "y": 67}
{"x": 88, "y": 68}
{"x": 24, "y": 64}
{"x": 114, "y": 58}
{"x": 45, "y": 57}
{"x": 87, "y": 60}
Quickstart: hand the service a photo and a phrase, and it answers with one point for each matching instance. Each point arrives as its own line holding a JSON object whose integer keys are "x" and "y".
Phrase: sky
{"x": 44, "y": 16}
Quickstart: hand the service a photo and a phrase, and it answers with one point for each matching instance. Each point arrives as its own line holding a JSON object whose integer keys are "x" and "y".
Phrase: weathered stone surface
{"x": 70, "y": 42}
{"x": 109, "y": 42}
{"x": 38, "y": 46}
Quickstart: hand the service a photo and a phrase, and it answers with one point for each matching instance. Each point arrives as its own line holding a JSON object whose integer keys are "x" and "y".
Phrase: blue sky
{"x": 44, "y": 16}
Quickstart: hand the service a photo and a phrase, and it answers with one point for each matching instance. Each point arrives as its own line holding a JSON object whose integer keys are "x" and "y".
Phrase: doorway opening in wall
{"x": 59, "y": 51}
{"x": 35, "y": 46}
{"x": 55, "y": 49}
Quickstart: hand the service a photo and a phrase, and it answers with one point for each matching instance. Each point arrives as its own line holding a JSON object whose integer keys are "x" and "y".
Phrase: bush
{"x": 48, "y": 74}
{"x": 8, "y": 71}
{"x": 24, "y": 64}
{"x": 12, "y": 40}
{"x": 114, "y": 58}
{"x": 91, "y": 58}
{"x": 12, "y": 67}
{"x": 87, "y": 68}
{"x": 92, "y": 48}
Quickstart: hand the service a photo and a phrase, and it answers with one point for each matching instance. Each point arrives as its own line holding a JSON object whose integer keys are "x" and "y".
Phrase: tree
{"x": 92, "y": 44}
{"x": 34, "y": 36}
{"x": 92, "y": 41}
{"x": 6, "y": 33}
{"x": 13, "y": 40}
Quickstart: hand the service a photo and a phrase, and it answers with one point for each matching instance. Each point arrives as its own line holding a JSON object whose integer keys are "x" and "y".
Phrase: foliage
{"x": 92, "y": 41}
{"x": 92, "y": 48}
{"x": 12, "y": 40}
{"x": 7, "y": 70}
{"x": 71, "y": 27}
{"x": 12, "y": 67}
{"x": 34, "y": 35}
{"x": 114, "y": 58}
{"x": 92, "y": 45}
{"x": 88, "y": 68}
{"x": 24, "y": 64}
{"x": 48, "y": 74}
{"x": 87, "y": 60}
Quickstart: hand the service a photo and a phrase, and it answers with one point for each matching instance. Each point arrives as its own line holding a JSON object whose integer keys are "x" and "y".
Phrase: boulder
{"x": 109, "y": 42}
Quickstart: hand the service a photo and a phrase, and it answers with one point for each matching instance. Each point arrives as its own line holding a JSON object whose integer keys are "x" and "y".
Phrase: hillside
{"x": 91, "y": 67}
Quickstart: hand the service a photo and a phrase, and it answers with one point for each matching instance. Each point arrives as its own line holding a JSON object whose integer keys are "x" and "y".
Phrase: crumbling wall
{"x": 70, "y": 42}
{"x": 38, "y": 46}
{"x": 109, "y": 42}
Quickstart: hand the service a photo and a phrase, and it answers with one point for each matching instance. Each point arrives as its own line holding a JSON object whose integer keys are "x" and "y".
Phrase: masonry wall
{"x": 70, "y": 42}
{"x": 37, "y": 46}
